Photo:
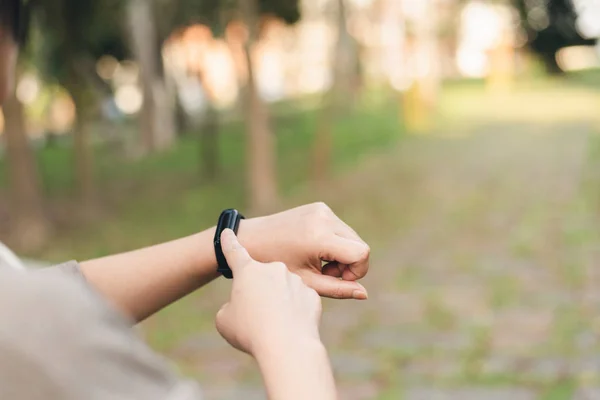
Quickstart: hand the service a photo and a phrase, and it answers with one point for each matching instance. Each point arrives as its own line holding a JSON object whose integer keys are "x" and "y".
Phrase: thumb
{"x": 235, "y": 254}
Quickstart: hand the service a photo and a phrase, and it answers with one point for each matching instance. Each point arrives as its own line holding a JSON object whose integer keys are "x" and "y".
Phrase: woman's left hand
{"x": 304, "y": 238}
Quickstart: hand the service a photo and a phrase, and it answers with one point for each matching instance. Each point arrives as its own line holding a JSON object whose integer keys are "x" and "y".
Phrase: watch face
{"x": 229, "y": 219}
{"x": 226, "y": 221}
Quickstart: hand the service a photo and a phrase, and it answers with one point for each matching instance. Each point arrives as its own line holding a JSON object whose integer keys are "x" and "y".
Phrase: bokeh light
{"x": 106, "y": 67}
{"x": 126, "y": 73}
{"x": 576, "y": 58}
{"x": 28, "y": 89}
{"x": 62, "y": 113}
{"x": 129, "y": 99}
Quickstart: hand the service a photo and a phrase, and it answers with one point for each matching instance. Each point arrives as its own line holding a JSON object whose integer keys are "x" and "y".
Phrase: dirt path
{"x": 483, "y": 281}
{"x": 493, "y": 281}
{"x": 485, "y": 287}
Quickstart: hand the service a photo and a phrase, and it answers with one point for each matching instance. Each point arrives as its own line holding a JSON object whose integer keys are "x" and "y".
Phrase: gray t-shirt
{"x": 59, "y": 339}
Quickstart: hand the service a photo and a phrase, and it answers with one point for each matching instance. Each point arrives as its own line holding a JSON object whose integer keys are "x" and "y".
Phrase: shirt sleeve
{"x": 70, "y": 268}
{"x": 61, "y": 341}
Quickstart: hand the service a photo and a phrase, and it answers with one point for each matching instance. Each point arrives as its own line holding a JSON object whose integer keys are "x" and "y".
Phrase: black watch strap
{"x": 229, "y": 219}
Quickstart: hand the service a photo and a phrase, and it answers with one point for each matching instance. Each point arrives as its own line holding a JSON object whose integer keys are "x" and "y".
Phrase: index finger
{"x": 350, "y": 252}
{"x": 358, "y": 269}
{"x": 235, "y": 254}
{"x": 358, "y": 266}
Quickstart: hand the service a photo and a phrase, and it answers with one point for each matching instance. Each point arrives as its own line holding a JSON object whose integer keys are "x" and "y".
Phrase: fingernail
{"x": 360, "y": 295}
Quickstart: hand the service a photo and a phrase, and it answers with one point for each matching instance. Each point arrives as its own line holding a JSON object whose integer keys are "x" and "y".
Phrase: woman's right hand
{"x": 269, "y": 305}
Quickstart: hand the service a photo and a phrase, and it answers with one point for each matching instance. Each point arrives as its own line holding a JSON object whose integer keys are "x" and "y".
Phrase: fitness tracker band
{"x": 229, "y": 219}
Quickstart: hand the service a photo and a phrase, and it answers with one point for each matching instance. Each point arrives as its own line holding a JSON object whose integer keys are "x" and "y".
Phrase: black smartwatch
{"x": 229, "y": 219}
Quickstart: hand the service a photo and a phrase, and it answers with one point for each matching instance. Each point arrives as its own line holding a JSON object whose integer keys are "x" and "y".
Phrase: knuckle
{"x": 321, "y": 208}
{"x": 366, "y": 252}
{"x": 320, "y": 205}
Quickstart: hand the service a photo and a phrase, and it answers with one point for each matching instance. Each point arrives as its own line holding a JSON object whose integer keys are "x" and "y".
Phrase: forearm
{"x": 296, "y": 370}
{"x": 144, "y": 281}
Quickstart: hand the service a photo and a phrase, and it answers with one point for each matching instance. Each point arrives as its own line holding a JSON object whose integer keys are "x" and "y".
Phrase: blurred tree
{"x": 550, "y": 25}
{"x": 75, "y": 34}
{"x": 29, "y": 226}
{"x": 200, "y": 38}
{"x": 209, "y": 136}
{"x": 157, "y": 117}
{"x": 261, "y": 152}
{"x": 218, "y": 15}
{"x": 345, "y": 69}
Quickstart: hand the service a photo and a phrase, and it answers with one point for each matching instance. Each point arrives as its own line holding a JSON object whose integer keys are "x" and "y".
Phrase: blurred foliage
{"x": 77, "y": 31}
{"x": 154, "y": 178}
{"x": 217, "y": 13}
{"x": 550, "y": 26}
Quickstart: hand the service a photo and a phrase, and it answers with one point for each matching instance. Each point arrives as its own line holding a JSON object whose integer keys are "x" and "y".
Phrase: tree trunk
{"x": 322, "y": 145}
{"x": 551, "y": 64}
{"x": 157, "y": 117}
{"x": 345, "y": 61}
{"x": 339, "y": 97}
{"x": 209, "y": 138}
{"x": 83, "y": 154}
{"x": 29, "y": 226}
{"x": 261, "y": 141}
{"x": 209, "y": 135}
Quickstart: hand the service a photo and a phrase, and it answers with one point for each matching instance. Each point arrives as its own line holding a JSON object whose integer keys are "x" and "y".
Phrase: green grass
{"x": 559, "y": 391}
{"x": 178, "y": 322}
{"x": 589, "y": 79}
{"x": 162, "y": 196}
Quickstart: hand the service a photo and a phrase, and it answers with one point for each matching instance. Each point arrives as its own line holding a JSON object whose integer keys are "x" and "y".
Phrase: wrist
{"x": 248, "y": 235}
{"x": 204, "y": 263}
{"x": 286, "y": 345}
{"x": 300, "y": 370}
{"x": 203, "y": 246}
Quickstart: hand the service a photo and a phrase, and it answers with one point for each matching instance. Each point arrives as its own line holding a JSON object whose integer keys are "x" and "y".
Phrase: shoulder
{"x": 46, "y": 296}
{"x": 52, "y": 314}
{"x": 61, "y": 333}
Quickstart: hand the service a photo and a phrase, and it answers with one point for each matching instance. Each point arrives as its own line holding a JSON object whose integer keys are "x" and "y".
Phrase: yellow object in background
{"x": 501, "y": 66}
{"x": 415, "y": 110}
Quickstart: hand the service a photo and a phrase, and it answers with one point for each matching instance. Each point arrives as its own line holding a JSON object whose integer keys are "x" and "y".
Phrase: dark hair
{"x": 14, "y": 18}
